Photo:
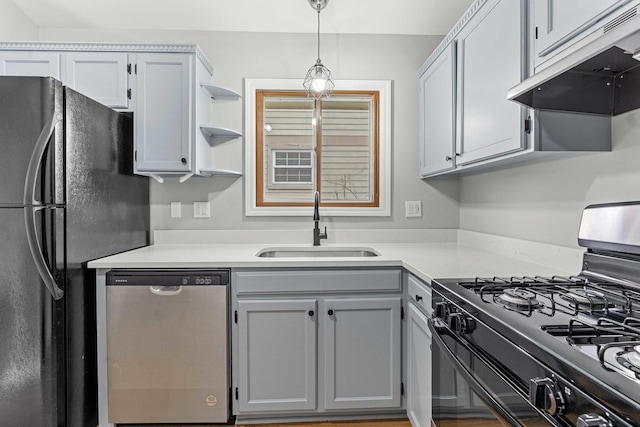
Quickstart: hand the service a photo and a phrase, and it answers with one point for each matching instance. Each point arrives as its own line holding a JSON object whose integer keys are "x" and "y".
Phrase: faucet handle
{"x": 324, "y": 235}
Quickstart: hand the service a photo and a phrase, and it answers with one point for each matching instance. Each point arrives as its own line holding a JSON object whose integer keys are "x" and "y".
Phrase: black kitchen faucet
{"x": 317, "y": 235}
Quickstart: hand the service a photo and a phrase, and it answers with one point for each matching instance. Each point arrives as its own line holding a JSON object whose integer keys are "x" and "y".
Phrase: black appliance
{"x": 67, "y": 196}
{"x": 593, "y": 69}
{"x": 559, "y": 351}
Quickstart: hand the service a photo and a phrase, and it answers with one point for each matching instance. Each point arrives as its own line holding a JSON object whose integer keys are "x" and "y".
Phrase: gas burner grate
{"x": 572, "y": 295}
{"x": 616, "y": 343}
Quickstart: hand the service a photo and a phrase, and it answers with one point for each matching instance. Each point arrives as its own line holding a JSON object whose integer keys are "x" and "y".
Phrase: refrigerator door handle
{"x": 32, "y": 206}
{"x": 33, "y": 169}
{"x": 36, "y": 252}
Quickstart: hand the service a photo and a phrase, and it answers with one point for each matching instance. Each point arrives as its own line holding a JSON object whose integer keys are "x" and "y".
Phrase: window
{"x": 291, "y": 167}
{"x": 338, "y": 146}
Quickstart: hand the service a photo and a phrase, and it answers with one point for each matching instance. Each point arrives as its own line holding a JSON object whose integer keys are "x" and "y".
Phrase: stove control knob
{"x": 461, "y": 324}
{"x": 442, "y": 310}
{"x": 593, "y": 420}
{"x": 545, "y": 394}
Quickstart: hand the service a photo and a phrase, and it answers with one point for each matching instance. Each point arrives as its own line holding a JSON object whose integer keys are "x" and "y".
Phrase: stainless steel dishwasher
{"x": 167, "y": 346}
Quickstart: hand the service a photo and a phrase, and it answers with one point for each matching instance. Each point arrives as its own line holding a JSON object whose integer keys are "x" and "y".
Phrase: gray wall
{"x": 540, "y": 202}
{"x": 14, "y": 25}
{"x": 543, "y": 202}
{"x": 261, "y": 55}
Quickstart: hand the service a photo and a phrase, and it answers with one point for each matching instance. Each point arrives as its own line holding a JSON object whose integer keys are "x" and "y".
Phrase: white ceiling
{"x": 422, "y": 17}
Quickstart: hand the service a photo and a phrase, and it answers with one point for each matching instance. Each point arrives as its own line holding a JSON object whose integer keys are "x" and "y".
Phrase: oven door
{"x": 470, "y": 389}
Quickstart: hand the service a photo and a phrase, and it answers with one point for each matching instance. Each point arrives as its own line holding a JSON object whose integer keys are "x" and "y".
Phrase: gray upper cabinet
{"x": 167, "y": 87}
{"x": 491, "y": 52}
{"x": 164, "y": 113}
{"x": 362, "y": 353}
{"x": 437, "y": 114}
{"x": 103, "y": 76}
{"x": 277, "y": 355}
{"x": 558, "y": 23}
{"x": 490, "y": 61}
{"x": 30, "y": 63}
{"x": 465, "y": 117}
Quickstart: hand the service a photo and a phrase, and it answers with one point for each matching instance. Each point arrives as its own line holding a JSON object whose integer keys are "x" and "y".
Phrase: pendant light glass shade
{"x": 318, "y": 82}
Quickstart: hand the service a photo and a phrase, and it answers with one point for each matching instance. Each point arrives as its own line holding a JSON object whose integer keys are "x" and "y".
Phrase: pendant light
{"x": 318, "y": 82}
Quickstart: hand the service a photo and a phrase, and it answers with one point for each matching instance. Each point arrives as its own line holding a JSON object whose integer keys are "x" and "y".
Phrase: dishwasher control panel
{"x": 141, "y": 277}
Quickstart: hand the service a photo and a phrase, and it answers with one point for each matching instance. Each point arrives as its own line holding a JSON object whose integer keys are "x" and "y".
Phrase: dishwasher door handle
{"x": 167, "y": 291}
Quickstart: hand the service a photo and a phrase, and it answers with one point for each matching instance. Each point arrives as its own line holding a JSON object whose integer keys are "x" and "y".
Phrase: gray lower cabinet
{"x": 362, "y": 353}
{"x": 316, "y": 342}
{"x": 418, "y": 368}
{"x": 277, "y": 355}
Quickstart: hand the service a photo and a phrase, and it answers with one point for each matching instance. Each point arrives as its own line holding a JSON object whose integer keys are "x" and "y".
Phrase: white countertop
{"x": 425, "y": 260}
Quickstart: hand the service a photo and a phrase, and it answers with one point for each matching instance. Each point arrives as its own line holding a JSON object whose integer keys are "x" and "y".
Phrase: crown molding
{"x": 109, "y": 47}
{"x": 473, "y": 9}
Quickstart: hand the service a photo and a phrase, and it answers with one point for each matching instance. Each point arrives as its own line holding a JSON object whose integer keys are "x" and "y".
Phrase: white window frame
{"x": 272, "y": 168}
{"x": 381, "y": 86}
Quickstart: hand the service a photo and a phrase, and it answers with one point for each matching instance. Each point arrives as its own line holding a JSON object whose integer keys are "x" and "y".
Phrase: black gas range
{"x": 533, "y": 350}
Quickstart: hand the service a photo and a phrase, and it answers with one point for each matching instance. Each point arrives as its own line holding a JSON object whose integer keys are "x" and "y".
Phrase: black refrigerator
{"x": 67, "y": 196}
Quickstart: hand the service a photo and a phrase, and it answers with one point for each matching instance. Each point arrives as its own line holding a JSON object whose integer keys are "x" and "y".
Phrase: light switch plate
{"x": 201, "y": 209}
{"x": 413, "y": 209}
{"x": 176, "y": 209}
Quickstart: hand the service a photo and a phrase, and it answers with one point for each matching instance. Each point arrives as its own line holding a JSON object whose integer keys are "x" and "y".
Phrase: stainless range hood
{"x": 597, "y": 75}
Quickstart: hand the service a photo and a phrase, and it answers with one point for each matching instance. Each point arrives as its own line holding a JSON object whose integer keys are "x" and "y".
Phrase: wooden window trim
{"x": 259, "y": 149}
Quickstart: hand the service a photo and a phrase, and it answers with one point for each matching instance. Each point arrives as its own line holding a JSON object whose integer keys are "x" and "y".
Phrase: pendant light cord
{"x": 318, "y": 32}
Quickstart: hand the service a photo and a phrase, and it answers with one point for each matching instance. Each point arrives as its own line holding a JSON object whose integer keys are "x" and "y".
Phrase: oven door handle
{"x": 468, "y": 376}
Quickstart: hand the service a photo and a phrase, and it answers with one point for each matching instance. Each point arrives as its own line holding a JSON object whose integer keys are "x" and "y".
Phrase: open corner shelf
{"x": 219, "y": 93}
{"x": 220, "y": 172}
{"x": 218, "y": 133}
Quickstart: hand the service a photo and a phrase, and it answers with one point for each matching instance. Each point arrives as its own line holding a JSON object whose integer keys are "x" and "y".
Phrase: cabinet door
{"x": 418, "y": 369}
{"x": 560, "y": 21}
{"x": 490, "y": 61}
{"x": 30, "y": 63}
{"x": 437, "y": 114}
{"x": 277, "y": 355}
{"x": 101, "y": 76}
{"x": 163, "y": 112}
{"x": 362, "y": 353}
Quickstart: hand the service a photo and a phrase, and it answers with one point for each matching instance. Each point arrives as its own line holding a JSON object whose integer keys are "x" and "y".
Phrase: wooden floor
{"x": 374, "y": 423}
{"x": 386, "y": 423}
{"x": 472, "y": 422}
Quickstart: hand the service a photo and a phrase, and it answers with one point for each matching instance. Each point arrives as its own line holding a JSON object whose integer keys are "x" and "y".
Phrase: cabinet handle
{"x": 184, "y": 161}
{"x": 330, "y": 312}
{"x": 448, "y": 158}
{"x": 311, "y": 313}
{"x": 418, "y": 298}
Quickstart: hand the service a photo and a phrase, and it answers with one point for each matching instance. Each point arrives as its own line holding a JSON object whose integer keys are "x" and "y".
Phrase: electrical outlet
{"x": 176, "y": 209}
{"x": 413, "y": 209}
{"x": 201, "y": 209}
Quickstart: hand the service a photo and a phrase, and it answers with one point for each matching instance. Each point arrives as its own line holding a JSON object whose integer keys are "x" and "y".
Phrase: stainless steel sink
{"x": 316, "y": 252}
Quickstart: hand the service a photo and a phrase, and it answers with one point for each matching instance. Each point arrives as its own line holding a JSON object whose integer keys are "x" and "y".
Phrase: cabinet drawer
{"x": 305, "y": 281}
{"x": 420, "y": 294}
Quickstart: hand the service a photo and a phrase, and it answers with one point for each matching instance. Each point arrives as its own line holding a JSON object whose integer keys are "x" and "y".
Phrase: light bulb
{"x": 319, "y": 84}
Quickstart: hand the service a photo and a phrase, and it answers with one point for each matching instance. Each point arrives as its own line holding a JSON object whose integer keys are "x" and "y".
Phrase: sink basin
{"x": 316, "y": 252}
